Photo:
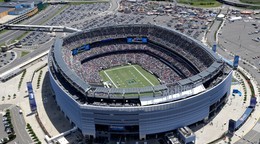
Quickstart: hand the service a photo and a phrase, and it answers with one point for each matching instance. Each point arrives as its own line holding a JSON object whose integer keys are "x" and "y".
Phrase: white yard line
{"x": 119, "y": 68}
{"x": 110, "y": 79}
{"x": 143, "y": 76}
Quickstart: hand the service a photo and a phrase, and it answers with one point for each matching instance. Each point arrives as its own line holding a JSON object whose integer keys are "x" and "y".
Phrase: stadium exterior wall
{"x": 150, "y": 119}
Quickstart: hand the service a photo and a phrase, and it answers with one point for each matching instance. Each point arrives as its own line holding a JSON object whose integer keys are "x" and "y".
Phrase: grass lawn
{"x": 201, "y": 3}
{"x": 129, "y": 76}
{"x": 2, "y": 31}
{"x": 24, "y": 53}
{"x": 251, "y": 1}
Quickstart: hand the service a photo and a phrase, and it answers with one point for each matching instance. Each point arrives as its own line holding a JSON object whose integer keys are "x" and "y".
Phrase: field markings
{"x": 119, "y": 68}
{"x": 110, "y": 79}
{"x": 143, "y": 75}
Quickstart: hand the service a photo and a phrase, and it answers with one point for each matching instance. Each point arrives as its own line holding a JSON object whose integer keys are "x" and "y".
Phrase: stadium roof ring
{"x": 172, "y": 80}
{"x": 70, "y": 54}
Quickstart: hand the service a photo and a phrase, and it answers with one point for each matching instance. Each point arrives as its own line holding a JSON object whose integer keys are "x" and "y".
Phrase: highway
{"x": 19, "y": 123}
{"x": 238, "y": 3}
{"x": 37, "y": 19}
{"x": 21, "y": 60}
{"x": 44, "y": 47}
{"x": 49, "y": 11}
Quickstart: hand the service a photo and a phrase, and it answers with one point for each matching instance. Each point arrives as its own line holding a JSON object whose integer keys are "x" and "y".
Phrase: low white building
{"x": 235, "y": 18}
{"x": 220, "y": 17}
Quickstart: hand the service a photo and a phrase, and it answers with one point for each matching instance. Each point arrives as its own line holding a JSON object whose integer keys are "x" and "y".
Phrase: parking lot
{"x": 3, "y": 133}
{"x": 191, "y": 21}
{"x": 239, "y": 37}
{"x": 5, "y": 124}
{"x": 71, "y": 14}
{"x": 18, "y": 124}
{"x": 6, "y": 58}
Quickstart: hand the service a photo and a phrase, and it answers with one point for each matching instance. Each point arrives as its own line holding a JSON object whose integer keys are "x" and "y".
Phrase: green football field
{"x": 128, "y": 76}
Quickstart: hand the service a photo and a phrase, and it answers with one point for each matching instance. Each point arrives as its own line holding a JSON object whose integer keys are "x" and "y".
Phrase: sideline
{"x": 110, "y": 79}
{"x": 143, "y": 75}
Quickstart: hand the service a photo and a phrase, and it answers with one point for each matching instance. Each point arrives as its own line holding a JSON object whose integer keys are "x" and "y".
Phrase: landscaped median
{"x": 201, "y": 3}
{"x": 249, "y": 83}
{"x": 21, "y": 80}
{"x": 32, "y": 134}
{"x": 39, "y": 79}
{"x": 251, "y": 1}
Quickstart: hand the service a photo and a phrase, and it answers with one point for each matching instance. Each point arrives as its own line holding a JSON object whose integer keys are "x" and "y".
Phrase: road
{"x": 252, "y": 136}
{"x": 21, "y": 60}
{"x": 37, "y": 19}
{"x": 22, "y": 136}
{"x": 211, "y": 35}
{"x": 226, "y": 54}
{"x": 45, "y": 47}
{"x": 238, "y": 2}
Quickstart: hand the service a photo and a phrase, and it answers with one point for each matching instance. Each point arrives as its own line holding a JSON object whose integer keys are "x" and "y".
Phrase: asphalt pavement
{"x": 253, "y": 136}
{"x": 19, "y": 123}
{"x": 37, "y": 19}
{"x": 27, "y": 57}
{"x": 22, "y": 137}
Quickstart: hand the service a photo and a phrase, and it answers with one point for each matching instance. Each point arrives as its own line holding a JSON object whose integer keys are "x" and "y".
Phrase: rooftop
{"x": 8, "y": 4}
{"x": 3, "y": 9}
{"x": 7, "y": 18}
{"x": 27, "y": 1}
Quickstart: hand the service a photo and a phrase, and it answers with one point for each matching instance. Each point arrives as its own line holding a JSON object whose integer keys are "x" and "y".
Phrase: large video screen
{"x": 236, "y": 60}
{"x": 137, "y": 40}
{"x": 80, "y": 49}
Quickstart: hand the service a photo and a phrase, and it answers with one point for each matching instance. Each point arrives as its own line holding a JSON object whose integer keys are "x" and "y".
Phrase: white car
{"x": 4, "y": 140}
{"x": 4, "y": 118}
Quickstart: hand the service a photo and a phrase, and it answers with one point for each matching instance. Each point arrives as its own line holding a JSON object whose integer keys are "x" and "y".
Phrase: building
{"x": 4, "y": 11}
{"x": 17, "y": 8}
{"x": 194, "y": 95}
{"x": 220, "y": 17}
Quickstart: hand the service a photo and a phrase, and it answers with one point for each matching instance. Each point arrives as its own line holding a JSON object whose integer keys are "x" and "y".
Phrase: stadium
{"x": 136, "y": 81}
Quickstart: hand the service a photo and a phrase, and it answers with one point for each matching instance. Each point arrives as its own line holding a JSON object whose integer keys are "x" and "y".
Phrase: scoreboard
{"x": 80, "y": 49}
{"x": 136, "y": 40}
{"x": 236, "y": 60}
{"x": 87, "y": 47}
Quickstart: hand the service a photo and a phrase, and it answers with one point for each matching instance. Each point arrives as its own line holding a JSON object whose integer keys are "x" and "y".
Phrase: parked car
{"x": 8, "y": 131}
{"x": 4, "y": 118}
{"x": 4, "y": 140}
{"x": 7, "y": 125}
{"x": 5, "y": 122}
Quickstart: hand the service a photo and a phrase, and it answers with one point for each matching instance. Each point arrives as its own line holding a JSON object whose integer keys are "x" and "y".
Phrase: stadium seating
{"x": 166, "y": 44}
